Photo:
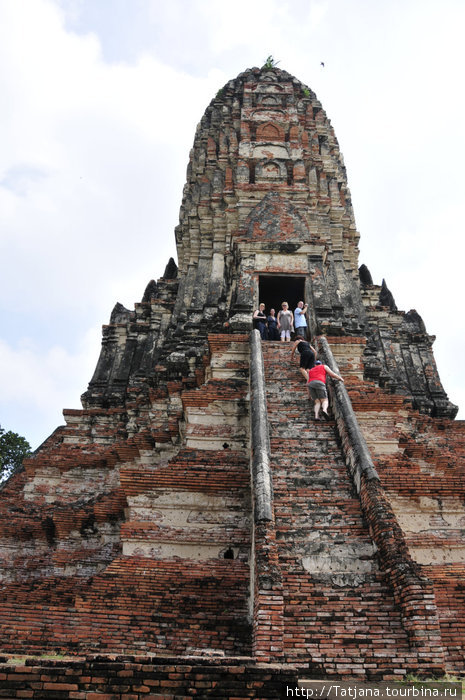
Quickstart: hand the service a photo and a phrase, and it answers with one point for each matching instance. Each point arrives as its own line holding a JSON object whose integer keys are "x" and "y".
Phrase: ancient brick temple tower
{"x": 192, "y": 507}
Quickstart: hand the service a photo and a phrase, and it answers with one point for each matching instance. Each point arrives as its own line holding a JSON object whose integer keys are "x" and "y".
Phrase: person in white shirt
{"x": 300, "y": 322}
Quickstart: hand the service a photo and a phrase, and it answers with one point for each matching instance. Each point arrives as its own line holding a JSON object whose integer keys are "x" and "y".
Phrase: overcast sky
{"x": 99, "y": 104}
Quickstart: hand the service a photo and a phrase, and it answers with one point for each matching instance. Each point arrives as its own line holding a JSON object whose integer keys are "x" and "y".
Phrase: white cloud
{"x": 41, "y": 383}
{"x": 86, "y": 161}
{"x": 92, "y": 166}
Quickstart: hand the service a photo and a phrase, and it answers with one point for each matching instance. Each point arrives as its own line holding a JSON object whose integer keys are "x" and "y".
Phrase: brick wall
{"x": 421, "y": 464}
{"x": 137, "y": 545}
{"x": 148, "y": 678}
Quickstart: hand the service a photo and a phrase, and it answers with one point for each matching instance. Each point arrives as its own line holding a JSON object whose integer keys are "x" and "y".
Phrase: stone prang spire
{"x": 194, "y": 507}
{"x": 266, "y": 195}
{"x": 266, "y": 215}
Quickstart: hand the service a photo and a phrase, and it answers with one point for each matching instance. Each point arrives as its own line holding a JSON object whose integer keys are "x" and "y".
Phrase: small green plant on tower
{"x": 270, "y": 63}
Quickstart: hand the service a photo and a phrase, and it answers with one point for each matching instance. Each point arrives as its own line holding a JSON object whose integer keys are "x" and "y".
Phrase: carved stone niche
{"x": 269, "y": 132}
{"x": 269, "y": 100}
{"x": 270, "y": 170}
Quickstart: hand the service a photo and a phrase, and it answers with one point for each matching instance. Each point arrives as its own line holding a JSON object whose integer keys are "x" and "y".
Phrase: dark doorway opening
{"x": 274, "y": 289}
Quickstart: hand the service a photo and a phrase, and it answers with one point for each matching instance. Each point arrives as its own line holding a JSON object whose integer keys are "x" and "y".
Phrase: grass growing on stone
{"x": 412, "y": 678}
{"x": 21, "y": 660}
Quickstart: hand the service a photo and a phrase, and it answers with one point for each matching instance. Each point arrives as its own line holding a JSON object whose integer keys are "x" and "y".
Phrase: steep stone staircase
{"x": 338, "y": 609}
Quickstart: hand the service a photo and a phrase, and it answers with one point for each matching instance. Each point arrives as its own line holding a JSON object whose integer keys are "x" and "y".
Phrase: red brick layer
{"x": 148, "y": 678}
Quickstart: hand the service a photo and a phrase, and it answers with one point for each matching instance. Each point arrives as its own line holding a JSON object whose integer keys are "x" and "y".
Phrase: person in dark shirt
{"x": 307, "y": 355}
{"x": 273, "y": 333}
{"x": 259, "y": 319}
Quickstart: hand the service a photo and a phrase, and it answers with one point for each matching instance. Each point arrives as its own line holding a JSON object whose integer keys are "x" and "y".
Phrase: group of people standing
{"x": 280, "y": 327}
{"x": 313, "y": 371}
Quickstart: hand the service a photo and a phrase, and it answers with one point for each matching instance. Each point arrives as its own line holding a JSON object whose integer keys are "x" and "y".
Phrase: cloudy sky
{"x": 100, "y": 100}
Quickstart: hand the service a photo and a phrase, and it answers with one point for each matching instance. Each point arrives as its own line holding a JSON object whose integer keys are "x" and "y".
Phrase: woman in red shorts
{"x": 317, "y": 387}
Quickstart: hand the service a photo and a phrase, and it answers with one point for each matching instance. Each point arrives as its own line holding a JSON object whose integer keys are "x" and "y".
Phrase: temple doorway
{"x": 274, "y": 289}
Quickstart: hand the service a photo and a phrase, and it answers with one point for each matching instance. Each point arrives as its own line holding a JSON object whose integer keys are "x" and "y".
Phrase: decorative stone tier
{"x": 141, "y": 543}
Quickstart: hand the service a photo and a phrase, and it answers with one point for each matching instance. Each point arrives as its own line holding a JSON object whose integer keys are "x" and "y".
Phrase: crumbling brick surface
{"x": 126, "y": 546}
{"x": 420, "y": 461}
{"x": 126, "y": 677}
{"x": 137, "y": 603}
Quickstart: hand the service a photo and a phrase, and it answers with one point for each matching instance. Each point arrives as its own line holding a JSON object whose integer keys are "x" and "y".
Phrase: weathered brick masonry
{"x": 167, "y": 583}
{"x": 191, "y": 512}
{"x": 420, "y": 461}
{"x": 151, "y": 678}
